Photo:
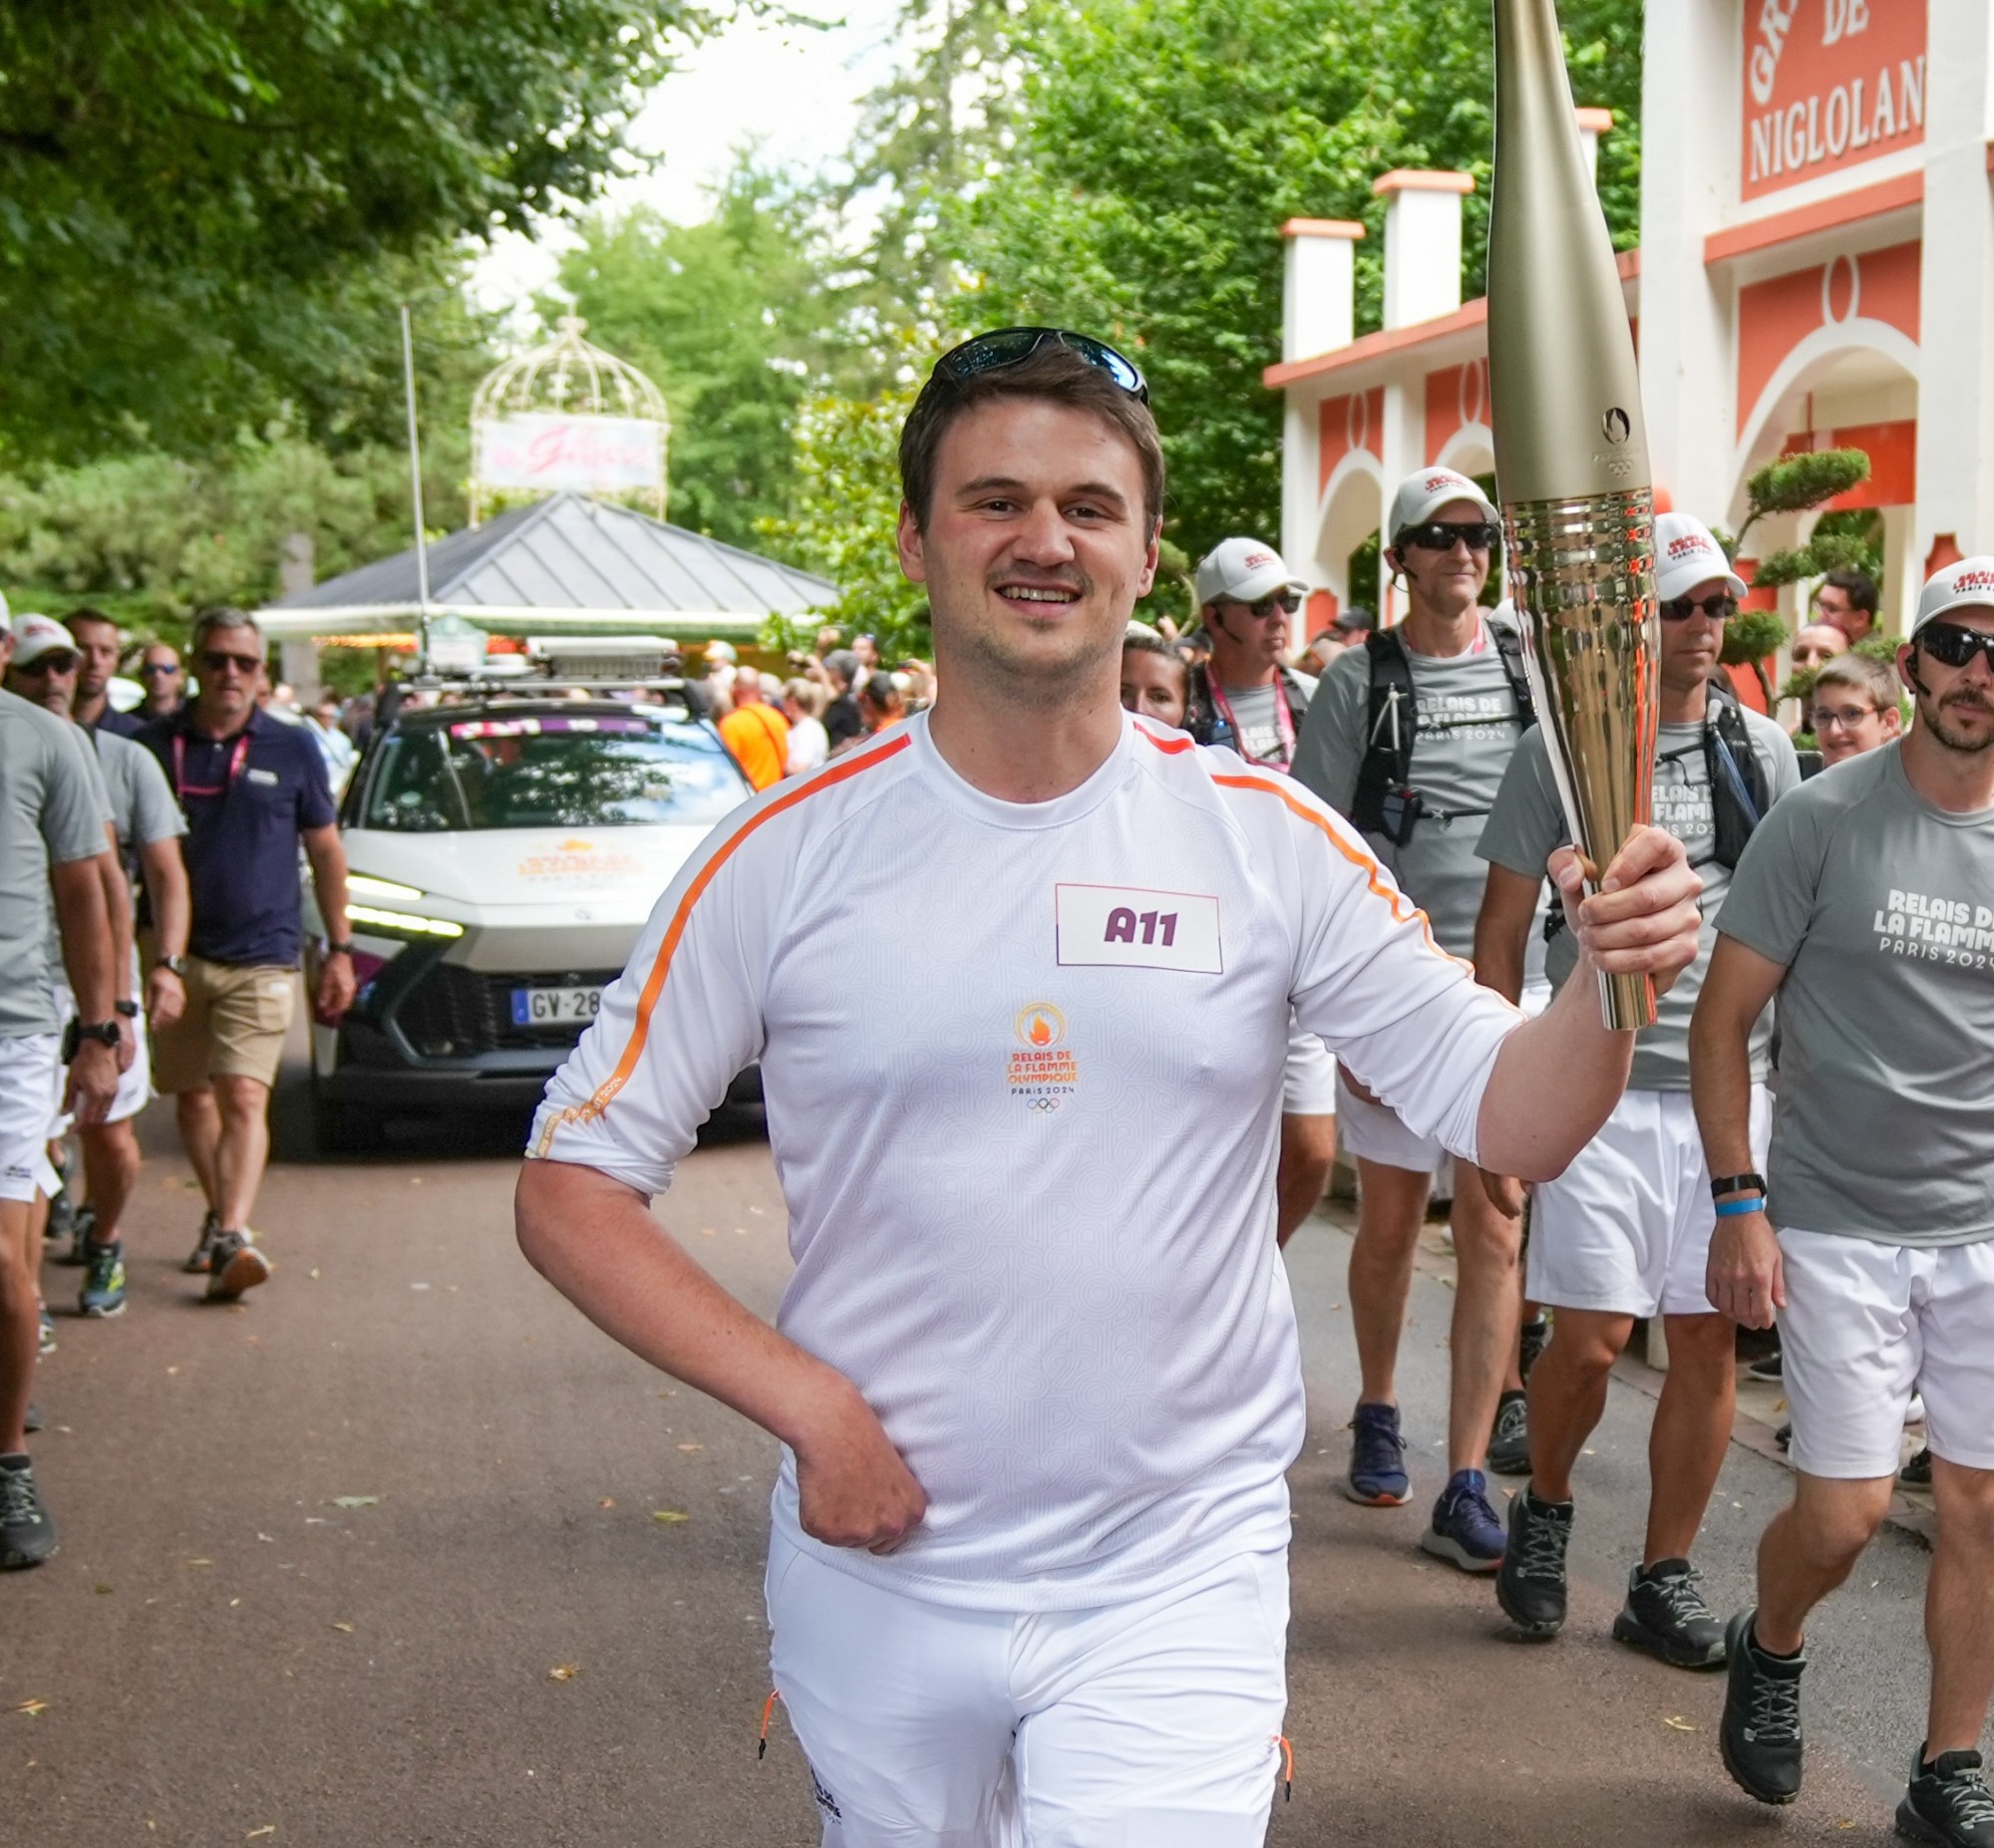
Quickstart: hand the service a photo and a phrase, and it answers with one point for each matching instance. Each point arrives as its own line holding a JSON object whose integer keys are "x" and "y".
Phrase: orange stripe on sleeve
{"x": 654, "y": 982}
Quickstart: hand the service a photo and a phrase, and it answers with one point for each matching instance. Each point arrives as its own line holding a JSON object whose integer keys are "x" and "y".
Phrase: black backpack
{"x": 1386, "y": 802}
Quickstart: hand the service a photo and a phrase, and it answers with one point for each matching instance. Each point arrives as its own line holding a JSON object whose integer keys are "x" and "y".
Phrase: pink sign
{"x": 584, "y": 454}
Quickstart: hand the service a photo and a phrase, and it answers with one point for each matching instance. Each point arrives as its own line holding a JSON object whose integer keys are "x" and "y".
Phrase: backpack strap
{"x": 1510, "y": 649}
{"x": 1737, "y": 790}
{"x": 1391, "y": 723}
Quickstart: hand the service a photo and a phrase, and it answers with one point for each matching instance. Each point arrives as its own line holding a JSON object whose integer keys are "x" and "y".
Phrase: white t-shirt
{"x": 810, "y": 745}
{"x": 1032, "y": 1194}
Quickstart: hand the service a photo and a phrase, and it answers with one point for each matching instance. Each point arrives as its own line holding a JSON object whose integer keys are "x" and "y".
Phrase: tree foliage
{"x": 1161, "y": 145}
{"x": 203, "y": 203}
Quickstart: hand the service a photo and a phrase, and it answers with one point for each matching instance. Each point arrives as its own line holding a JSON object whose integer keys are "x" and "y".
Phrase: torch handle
{"x": 1627, "y": 1000}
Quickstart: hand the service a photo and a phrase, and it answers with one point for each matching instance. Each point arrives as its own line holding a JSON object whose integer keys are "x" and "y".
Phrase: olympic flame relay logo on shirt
{"x": 1043, "y": 1072}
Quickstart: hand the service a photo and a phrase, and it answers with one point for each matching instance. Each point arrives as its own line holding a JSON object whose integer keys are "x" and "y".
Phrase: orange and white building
{"x": 1816, "y": 270}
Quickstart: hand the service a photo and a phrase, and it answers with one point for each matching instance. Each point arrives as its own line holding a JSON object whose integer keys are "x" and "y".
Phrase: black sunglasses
{"x": 1012, "y": 345}
{"x": 1284, "y": 600}
{"x": 57, "y": 663}
{"x": 1681, "y": 609}
{"x": 1954, "y": 646}
{"x": 215, "y": 660}
{"x": 1436, "y": 536}
{"x": 154, "y": 668}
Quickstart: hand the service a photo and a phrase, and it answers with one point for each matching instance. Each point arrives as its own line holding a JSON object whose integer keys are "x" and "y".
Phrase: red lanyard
{"x": 1284, "y": 724}
{"x": 236, "y": 758}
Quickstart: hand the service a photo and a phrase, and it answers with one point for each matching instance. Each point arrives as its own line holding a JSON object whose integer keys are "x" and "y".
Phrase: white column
{"x": 1422, "y": 243}
{"x": 1592, "y": 124}
{"x": 1319, "y": 286}
{"x": 1402, "y": 450}
{"x": 1956, "y": 335}
{"x": 1301, "y": 468}
{"x": 1691, "y": 49}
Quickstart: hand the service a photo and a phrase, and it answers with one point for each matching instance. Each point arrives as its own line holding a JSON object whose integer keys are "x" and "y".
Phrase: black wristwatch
{"x": 340, "y": 949}
{"x": 1736, "y": 1183}
{"x": 172, "y": 965}
{"x": 125, "y": 1010}
{"x": 105, "y": 1033}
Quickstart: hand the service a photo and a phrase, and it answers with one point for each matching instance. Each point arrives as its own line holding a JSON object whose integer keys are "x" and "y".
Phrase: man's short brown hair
{"x": 1862, "y": 673}
{"x": 1054, "y": 372}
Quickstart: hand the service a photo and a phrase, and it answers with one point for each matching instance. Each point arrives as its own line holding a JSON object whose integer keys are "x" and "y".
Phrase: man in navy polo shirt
{"x": 253, "y": 789}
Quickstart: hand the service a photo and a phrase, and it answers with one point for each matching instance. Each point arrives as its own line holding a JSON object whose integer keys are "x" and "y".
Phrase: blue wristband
{"x": 1735, "y": 1209}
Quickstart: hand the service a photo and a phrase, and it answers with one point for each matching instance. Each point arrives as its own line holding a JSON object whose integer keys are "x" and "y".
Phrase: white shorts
{"x": 31, "y": 1089}
{"x": 1378, "y": 1133}
{"x": 1154, "y": 1723}
{"x": 1626, "y": 1228}
{"x": 1308, "y": 1081}
{"x": 1867, "y": 1325}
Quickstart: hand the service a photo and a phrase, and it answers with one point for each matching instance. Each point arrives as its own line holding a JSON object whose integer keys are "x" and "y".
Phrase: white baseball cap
{"x": 36, "y": 636}
{"x": 1245, "y": 570}
{"x": 721, "y": 651}
{"x": 1969, "y": 584}
{"x": 1686, "y": 556}
{"x": 1421, "y": 495}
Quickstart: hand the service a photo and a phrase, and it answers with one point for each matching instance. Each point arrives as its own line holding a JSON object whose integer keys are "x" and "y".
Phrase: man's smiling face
{"x": 1036, "y": 546}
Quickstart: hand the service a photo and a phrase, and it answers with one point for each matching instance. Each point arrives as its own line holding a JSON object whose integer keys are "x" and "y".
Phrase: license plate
{"x": 553, "y": 1007}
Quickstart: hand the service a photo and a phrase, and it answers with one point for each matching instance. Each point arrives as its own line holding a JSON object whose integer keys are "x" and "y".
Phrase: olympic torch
{"x": 1572, "y": 460}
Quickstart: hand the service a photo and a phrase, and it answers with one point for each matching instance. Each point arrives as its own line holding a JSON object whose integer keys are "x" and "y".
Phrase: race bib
{"x": 1127, "y": 927}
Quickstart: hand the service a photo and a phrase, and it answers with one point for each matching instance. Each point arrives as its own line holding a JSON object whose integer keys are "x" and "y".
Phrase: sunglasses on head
{"x": 46, "y": 664}
{"x": 1436, "y": 536}
{"x": 1681, "y": 609}
{"x": 1012, "y": 345}
{"x": 1955, "y": 645}
{"x": 154, "y": 668}
{"x": 214, "y": 660}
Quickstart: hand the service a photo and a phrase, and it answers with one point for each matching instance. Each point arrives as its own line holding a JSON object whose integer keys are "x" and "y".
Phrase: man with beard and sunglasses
{"x": 1624, "y": 1232}
{"x": 1866, "y": 903}
{"x": 1409, "y": 737}
{"x": 1036, "y": 1373}
{"x": 253, "y": 790}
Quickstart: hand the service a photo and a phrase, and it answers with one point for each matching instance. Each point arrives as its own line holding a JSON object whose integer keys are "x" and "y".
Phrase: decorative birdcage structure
{"x": 567, "y": 417}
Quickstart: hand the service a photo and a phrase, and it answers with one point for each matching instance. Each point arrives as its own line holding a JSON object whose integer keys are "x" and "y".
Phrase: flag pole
{"x": 415, "y": 494}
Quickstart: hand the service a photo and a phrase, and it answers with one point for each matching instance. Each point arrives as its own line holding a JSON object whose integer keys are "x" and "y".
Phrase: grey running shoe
{"x": 27, "y": 1534}
{"x": 1509, "y": 1442}
{"x": 235, "y": 1267}
{"x": 1949, "y": 1804}
{"x": 1665, "y": 1615}
{"x": 1530, "y": 1583}
{"x": 103, "y": 1292}
{"x": 1760, "y": 1734}
{"x": 48, "y": 1334}
{"x": 83, "y": 1230}
{"x": 198, "y": 1260}
{"x": 1535, "y": 1337}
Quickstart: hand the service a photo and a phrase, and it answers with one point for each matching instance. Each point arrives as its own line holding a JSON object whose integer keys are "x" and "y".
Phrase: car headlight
{"x": 370, "y": 888}
{"x": 402, "y": 923}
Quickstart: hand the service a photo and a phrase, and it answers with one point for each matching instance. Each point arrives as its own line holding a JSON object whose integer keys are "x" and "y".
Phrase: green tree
{"x": 1160, "y": 146}
{"x": 203, "y": 203}
{"x": 738, "y": 323}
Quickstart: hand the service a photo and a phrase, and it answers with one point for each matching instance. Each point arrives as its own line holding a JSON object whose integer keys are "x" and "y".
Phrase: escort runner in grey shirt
{"x": 143, "y": 810}
{"x": 1258, "y": 726}
{"x": 1468, "y": 728}
{"x": 1528, "y": 825}
{"x": 52, "y": 812}
{"x": 1882, "y": 908}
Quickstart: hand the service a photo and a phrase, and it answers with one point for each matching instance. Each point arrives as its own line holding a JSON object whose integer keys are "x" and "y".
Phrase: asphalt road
{"x": 378, "y": 1557}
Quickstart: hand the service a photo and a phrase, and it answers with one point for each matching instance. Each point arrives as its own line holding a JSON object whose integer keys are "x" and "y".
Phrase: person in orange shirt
{"x": 755, "y": 732}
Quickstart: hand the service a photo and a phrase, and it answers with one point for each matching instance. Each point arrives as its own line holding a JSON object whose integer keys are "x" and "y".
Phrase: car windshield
{"x": 550, "y": 771}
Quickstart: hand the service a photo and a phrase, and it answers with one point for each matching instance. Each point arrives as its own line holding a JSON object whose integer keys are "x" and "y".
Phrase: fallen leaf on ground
{"x": 669, "y": 1517}
{"x": 609, "y": 1502}
{"x": 692, "y": 1447}
{"x": 34, "y": 1709}
{"x": 103, "y": 1591}
{"x": 356, "y": 1501}
{"x": 1679, "y": 1724}
{"x": 566, "y": 1672}
{"x": 344, "y": 1629}
{"x": 269, "y": 1828}
{"x": 200, "y": 1562}
{"x": 314, "y": 1272}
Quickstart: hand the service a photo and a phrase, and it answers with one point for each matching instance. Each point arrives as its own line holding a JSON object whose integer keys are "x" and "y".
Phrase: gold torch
{"x": 1572, "y": 459}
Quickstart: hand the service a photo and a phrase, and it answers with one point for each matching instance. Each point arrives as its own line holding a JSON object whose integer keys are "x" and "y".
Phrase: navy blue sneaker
{"x": 1464, "y": 1531}
{"x": 1376, "y": 1475}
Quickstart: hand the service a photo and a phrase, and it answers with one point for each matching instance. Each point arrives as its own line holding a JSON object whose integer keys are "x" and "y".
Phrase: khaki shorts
{"x": 233, "y": 1027}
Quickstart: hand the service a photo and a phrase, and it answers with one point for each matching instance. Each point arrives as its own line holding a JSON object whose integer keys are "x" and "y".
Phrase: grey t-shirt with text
{"x": 51, "y": 815}
{"x": 1259, "y": 734}
{"x": 143, "y": 810}
{"x": 1882, "y": 908}
{"x": 1468, "y": 728}
{"x": 1528, "y": 825}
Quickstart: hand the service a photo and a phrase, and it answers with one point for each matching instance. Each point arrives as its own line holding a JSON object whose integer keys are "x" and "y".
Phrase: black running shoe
{"x": 83, "y": 1230}
{"x": 61, "y": 1221}
{"x": 235, "y": 1267}
{"x": 1534, "y": 1338}
{"x": 1949, "y": 1804}
{"x": 1784, "y": 1436}
{"x": 1916, "y": 1473}
{"x": 1531, "y": 1584}
{"x": 1760, "y": 1735}
{"x": 27, "y": 1534}
{"x": 204, "y": 1253}
{"x": 103, "y": 1292}
{"x": 1509, "y": 1442}
{"x": 1665, "y": 1615}
{"x": 1767, "y": 1366}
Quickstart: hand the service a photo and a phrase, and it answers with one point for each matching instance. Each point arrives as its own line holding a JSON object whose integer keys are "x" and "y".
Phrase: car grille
{"x": 453, "y": 1012}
